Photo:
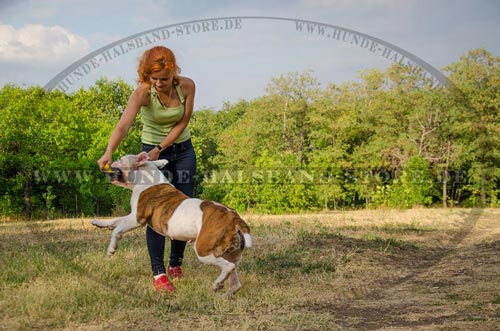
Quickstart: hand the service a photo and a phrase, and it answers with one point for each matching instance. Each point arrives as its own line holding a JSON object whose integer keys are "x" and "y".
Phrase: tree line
{"x": 389, "y": 139}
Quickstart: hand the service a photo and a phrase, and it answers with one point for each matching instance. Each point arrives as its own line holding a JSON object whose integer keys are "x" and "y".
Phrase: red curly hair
{"x": 154, "y": 60}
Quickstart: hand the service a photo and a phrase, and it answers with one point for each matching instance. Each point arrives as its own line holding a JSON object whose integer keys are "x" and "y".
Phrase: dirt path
{"x": 444, "y": 279}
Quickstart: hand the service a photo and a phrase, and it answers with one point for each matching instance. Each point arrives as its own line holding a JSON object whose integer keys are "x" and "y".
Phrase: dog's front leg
{"x": 109, "y": 224}
{"x": 127, "y": 224}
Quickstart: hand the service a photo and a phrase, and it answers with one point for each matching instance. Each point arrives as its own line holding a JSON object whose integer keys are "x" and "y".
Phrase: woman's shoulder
{"x": 143, "y": 93}
{"x": 185, "y": 83}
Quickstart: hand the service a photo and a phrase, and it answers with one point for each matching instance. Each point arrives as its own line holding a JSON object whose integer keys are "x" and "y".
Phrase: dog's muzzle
{"x": 114, "y": 174}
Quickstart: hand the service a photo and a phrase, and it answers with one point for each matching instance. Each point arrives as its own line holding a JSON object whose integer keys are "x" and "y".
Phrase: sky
{"x": 235, "y": 59}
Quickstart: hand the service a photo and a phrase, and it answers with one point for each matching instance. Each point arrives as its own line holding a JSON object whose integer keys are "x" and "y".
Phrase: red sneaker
{"x": 175, "y": 272}
{"x": 162, "y": 284}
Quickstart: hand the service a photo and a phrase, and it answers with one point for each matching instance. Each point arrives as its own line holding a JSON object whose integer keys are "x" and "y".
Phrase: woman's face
{"x": 162, "y": 80}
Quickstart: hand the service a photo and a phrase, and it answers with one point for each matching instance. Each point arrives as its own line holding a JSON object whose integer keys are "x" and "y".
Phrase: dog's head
{"x": 131, "y": 170}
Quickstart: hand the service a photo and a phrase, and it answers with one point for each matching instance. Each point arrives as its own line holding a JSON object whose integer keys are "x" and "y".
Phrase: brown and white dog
{"x": 219, "y": 233}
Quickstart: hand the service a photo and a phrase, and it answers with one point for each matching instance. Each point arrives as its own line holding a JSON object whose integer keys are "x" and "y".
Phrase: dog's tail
{"x": 245, "y": 230}
{"x": 248, "y": 240}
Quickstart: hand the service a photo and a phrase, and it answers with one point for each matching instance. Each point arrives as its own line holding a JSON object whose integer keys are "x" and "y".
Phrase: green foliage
{"x": 389, "y": 139}
{"x": 49, "y": 143}
{"x": 414, "y": 187}
{"x": 477, "y": 77}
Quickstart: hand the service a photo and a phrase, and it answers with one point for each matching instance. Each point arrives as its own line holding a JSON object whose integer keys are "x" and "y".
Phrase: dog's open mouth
{"x": 114, "y": 174}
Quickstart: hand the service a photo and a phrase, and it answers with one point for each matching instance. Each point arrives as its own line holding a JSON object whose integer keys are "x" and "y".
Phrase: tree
{"x": 291, "y": 96}
{"x": 477, "y": 77}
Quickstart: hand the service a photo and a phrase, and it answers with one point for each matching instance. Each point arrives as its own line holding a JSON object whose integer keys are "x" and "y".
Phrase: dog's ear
{"x": 141, "y": 159}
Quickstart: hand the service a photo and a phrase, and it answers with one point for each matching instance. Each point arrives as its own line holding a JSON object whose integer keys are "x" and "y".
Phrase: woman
{"x": 165, "y": 101}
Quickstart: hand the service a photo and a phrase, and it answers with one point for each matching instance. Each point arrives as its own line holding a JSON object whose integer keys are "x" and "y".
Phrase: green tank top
{"x": 158, "y": 121}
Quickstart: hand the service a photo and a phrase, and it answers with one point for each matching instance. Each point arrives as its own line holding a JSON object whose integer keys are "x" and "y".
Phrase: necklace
{"x": 169, "y": 97}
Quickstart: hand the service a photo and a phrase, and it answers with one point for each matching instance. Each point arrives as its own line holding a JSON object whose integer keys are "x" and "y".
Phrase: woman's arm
{"x": 139, "y": 98}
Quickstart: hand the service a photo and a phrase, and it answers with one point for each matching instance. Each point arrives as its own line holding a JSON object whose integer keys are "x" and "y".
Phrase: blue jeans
{"x": 180, "y": 171}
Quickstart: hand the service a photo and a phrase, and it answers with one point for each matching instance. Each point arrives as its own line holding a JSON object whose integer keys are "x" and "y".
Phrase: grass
{"x": 423, "y": 269}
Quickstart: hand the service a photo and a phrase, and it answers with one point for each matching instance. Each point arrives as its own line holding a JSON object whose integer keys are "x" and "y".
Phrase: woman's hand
{"x": 105, "y": 159}
{"x": 154, "y": 154}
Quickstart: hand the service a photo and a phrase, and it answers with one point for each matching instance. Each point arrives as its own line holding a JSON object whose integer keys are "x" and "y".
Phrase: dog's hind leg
{"x": 225, "y": 266}
{"x": 234, "y": 283}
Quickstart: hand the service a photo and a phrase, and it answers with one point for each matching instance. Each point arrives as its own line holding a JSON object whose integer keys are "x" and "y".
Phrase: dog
{"x": 218, "y": 232}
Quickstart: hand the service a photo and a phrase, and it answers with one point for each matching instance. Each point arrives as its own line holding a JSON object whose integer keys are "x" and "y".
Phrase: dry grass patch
{"x": 421, "y": 269}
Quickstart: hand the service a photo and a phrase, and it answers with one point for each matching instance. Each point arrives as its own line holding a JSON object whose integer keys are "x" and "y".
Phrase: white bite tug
{"x": 219, "y": 233}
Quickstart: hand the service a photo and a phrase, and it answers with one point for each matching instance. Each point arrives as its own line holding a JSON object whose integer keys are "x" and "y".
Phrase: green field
{"x": 419, "y": 269}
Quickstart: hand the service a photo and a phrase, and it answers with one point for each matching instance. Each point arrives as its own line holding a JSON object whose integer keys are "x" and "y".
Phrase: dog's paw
{"x": 111, "y": 250}
{"x": 217, "y": 286}
{"x": 232, "y": 291}
{"x": 160, "y": 163}
{"x": 103, "y": 224}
